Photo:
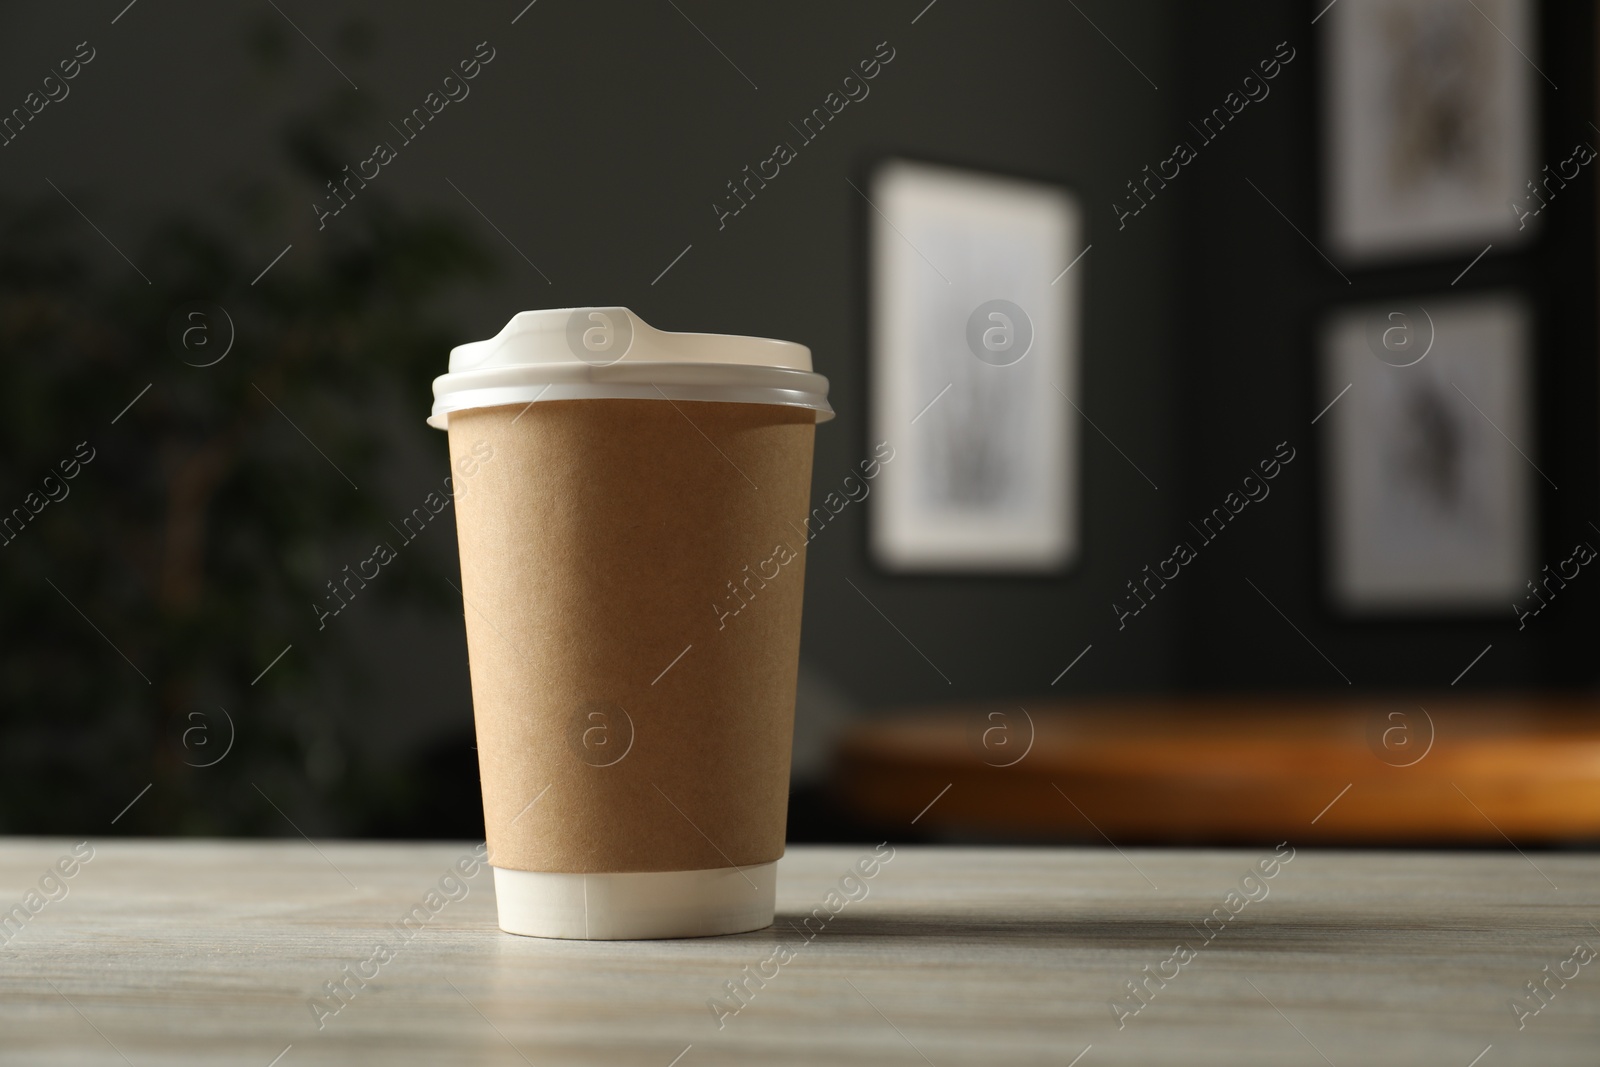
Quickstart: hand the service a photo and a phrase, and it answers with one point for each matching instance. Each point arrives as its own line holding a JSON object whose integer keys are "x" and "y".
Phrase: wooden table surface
{"x": 213, "y": 952}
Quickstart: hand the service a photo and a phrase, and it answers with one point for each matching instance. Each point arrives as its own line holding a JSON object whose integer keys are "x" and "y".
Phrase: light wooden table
{"x": 208, "y": 952}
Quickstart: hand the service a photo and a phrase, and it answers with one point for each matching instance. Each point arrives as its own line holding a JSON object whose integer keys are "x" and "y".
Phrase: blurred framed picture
{"x": 1429, "y": 128}
{"x": 1428, "y": 447}
{"x": 975, "y": 282}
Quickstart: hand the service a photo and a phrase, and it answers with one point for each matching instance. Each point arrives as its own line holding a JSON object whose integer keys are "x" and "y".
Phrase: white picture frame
{"x": 1429, "y": 477}
{"x": 1429, "y": 125}
{"x": 967, "y": 270}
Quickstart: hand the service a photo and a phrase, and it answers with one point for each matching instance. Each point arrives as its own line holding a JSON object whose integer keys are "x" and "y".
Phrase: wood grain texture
{"x": 1419, "y": 771}
{"x": 208, "y": 952}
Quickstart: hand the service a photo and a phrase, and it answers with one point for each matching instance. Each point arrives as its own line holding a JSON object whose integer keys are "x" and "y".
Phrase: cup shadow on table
{"x": 1299, "y": 929}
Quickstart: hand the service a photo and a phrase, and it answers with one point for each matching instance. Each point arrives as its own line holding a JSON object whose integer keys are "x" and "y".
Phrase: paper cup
{"x": 632, "y": 564}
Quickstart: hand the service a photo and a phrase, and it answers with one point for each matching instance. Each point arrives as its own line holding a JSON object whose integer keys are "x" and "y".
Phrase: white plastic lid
{"x": 635, "y": 907}
{"x": 611, "y": 353}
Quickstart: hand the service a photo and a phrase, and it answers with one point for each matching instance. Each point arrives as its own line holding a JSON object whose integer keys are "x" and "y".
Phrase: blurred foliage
{"x": 206, "y": 525}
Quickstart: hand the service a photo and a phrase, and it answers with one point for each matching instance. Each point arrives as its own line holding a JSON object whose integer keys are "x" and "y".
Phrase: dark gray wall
{"x": 597, "y": 141}
{"x": 1254, "y": 294}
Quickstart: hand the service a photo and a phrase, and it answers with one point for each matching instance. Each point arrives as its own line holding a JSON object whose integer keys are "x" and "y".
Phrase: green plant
{"x": 206, "y": 525}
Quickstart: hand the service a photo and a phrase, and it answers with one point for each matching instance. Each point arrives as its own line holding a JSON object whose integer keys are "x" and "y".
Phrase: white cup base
{"x": 636, "y": 906}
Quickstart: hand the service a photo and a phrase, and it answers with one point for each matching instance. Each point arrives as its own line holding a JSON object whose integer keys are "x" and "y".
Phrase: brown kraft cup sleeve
{"x": 632, "y": 573}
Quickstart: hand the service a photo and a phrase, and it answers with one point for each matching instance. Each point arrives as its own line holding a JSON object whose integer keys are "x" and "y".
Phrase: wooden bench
{"x": 1378, "y": 771}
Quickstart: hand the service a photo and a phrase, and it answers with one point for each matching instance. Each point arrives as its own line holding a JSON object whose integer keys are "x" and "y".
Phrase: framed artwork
{"x": 1428, "y": 447}
{"x": 975, "y": 297}
{"x": 1429, "y": 125}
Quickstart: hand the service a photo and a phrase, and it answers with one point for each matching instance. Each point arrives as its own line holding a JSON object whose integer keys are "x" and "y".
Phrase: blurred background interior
{"x": 1324, "y": 317}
